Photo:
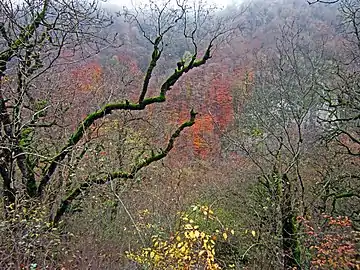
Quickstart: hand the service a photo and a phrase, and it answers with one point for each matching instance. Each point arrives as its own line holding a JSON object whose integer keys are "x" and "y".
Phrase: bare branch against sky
{"x": 130, "y": 3}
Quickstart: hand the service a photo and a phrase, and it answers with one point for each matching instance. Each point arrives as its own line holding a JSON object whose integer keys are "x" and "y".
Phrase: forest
{"x": 180, "y": 135}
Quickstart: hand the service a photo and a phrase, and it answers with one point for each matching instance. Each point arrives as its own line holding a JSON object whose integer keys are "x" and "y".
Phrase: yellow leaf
{"x": 188, "y": 226}
{"x": 192, "y": 235}
{"x": 253, "y": 233}
{"x": 183, "y": 249}
{"x": 201, "y": 252}
{"x": 232, "y": 232}
{"x": 225, "y": 235}
{"x": 157, "y": 258}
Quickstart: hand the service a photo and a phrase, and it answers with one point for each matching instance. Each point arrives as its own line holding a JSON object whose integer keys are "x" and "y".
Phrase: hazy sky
{"x": 122, "y": 3}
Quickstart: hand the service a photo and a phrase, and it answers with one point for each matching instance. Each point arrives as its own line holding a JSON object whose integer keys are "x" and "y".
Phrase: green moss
{"x": 26, "y": 137}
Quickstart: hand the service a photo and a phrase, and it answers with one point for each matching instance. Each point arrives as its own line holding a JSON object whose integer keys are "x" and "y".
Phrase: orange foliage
{"x": 87, "y": 77}
{"x": 221, "y": 107}
{"x": 202, "y": 132}
{"x": 334, "y": 245}
{"x": 210, "y": 93}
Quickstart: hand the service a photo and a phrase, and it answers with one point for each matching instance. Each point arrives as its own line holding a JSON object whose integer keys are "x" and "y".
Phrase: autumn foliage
{"x": 332, "y": 244}
{"x": 188, "y": 247}
{"x": 87, "y": 77}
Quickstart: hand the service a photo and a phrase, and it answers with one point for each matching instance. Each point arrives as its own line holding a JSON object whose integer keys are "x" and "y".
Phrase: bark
{"x": 289, "y": 237}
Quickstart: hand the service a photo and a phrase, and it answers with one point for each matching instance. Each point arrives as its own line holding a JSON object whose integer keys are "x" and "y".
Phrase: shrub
{"x": 27, "y": 239}
{"x": 188, "y": 247}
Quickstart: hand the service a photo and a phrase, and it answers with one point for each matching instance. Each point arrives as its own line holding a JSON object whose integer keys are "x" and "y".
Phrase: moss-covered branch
{"x": 79, "y": 133}
{"x": 66, "y": 202}
{"x": 173, "y": 78}
{"x": 169, "y": 146}
{"x": 25, "y": 35}
{"x": 154, "y": 58}
{"x": 13, "y": 48}
{"x": 84, "y": 125}
{"x": 109, "y": 108}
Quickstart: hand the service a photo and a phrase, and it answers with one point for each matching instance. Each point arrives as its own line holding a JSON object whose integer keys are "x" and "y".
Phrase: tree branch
{"x": 323, "y": 2}
{"x": 109, "y": 108}
{"x": 154, "y": 58}
{"x": 121, "y": 174}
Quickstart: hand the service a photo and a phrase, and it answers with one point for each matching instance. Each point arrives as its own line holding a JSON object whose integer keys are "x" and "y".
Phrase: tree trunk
{"x": 289, "y": 237}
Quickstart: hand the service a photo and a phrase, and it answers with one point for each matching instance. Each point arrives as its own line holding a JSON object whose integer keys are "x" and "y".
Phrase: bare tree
{"x": 340, "y": 117}
{"x": 341, "y": 94}
{"x": 35, "y": 37}
{"x": 278, "y": 129}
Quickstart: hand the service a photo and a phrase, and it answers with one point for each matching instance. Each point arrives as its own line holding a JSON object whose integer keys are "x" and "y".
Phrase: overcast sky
{"x": 122, "y": 3}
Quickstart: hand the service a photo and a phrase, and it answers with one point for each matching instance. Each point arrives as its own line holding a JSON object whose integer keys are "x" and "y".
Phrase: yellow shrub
{"x": 187, "y": 248}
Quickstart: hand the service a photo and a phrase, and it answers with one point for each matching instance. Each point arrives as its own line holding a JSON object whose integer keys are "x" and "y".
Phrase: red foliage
{"x": 203, "y": 141}
{"x": 333, "y": 245}
{"x": 210, "y": 92}
{"x": 220, "y": 99}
